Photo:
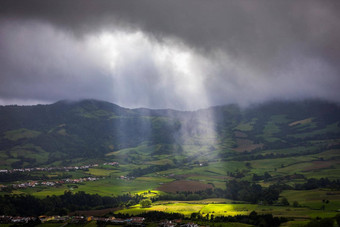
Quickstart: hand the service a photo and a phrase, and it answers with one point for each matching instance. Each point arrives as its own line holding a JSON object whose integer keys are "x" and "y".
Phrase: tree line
{"x": 235, "y": 190}
{"x": 250, "y": 192}
{"x": 27, "y": 205}
{"x": 252, "y": 219}
{"x": 21, "y": 176}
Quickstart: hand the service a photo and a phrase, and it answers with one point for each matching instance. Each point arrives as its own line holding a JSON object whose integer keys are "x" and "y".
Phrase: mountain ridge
{"x": 67, "y": 130}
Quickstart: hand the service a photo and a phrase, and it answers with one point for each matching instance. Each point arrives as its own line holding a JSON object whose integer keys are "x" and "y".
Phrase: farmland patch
{"x": 246, "y": 145}
{"x": 184, "y": 185}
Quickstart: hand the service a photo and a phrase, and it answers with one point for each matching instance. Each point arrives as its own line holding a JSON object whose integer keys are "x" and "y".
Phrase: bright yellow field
{"x": 188, "y": 208}
{"x": 223, "y": 209}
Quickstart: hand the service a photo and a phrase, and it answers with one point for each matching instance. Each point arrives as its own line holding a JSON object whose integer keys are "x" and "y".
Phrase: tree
{"x": 267, "y": 176}
{"x": 295, "y": 204}
{"x": 284, "y": 201}
{"x": 145, "y": 203}
{"x": 131, "y": 203}
{"x": 320, "y": 223}
{"x": 337, "y": 218}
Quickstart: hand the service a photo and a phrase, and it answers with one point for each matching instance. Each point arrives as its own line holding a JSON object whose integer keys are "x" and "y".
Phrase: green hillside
{"x": 66, "y": 133}
{"x": 281, "y": 158}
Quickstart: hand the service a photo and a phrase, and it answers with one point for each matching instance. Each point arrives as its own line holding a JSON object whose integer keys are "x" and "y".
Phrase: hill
{"x": 68, "y": 132}
{"x": 280, "y": 158}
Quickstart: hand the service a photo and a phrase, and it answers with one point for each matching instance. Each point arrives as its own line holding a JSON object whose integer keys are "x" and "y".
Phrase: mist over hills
{"x": 69, "y": 132}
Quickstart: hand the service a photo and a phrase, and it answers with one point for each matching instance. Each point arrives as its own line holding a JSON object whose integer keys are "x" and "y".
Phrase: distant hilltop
{"x": 59, "y": 133}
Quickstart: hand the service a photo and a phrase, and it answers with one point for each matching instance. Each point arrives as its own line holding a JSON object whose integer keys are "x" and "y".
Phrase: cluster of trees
{"x": 197, "y": 195}
{"x": 321, "y": 222}
{"x": 266, "y": 176}
{"x": 253, "y": 219}
{"x": 145, "y": 203}
{"x": 15, "y": 176}
{"x": 251, "y": 192}
{"x": 247, "y": 157}
{"x": 22, "y": 176}
{"x": 313, "y": 183}
{"x": 254, "y": 193}
{"x": 235, "y": 190}
{"x": 153, "y": 216}
{"x": 27, "y": 205}
{"x": 151, "y": 169}
{"x": 237, "y": 174}
{"x": 20, "y": 163}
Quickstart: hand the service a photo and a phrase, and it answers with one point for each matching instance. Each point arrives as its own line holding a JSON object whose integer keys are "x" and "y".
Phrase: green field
{"x": 277, "y": 144}
{"x": 246, "y": 126}
{"x": 314, "y": 198}
{"x": 103, "y": 172}
{"x": 222, "y": 209}
{"x": 105, "y": 187}
{"x": 21, "y": 134}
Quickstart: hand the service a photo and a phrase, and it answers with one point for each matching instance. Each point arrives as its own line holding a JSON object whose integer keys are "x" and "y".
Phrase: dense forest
{"x": 27, "y": 205}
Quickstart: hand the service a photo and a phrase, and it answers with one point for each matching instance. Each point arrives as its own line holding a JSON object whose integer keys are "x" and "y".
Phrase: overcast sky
{"x": 182, "y": 54}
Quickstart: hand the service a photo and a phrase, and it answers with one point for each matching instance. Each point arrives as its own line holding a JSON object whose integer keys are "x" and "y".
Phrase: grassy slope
{"x": 222, "y": 209}
{"x": 298, "y": 135}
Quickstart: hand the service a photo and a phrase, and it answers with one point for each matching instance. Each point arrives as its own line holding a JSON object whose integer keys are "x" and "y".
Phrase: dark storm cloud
{"x": 253, "y": 50}
{"x": 44, "y": 70}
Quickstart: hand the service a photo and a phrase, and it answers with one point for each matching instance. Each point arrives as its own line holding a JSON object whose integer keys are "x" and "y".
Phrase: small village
{"x": 134, "y": 221}
{"x": 64, "y": 168}
{"x": 32, "y": 184}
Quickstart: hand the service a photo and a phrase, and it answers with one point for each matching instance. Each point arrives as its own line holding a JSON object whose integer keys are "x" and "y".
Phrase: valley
{"x": 279, "y": 158}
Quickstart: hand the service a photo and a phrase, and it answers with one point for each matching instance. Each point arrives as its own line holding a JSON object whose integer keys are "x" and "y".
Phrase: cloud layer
{"x": 169, "y": 54}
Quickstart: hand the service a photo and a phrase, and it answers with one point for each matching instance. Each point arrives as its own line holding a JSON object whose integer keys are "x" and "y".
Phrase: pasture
{"x": 109, "y": 186}
{"x": 184, "y": 185}
{"x": 223, "y": 209}
{"x": 314, "y": 199}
